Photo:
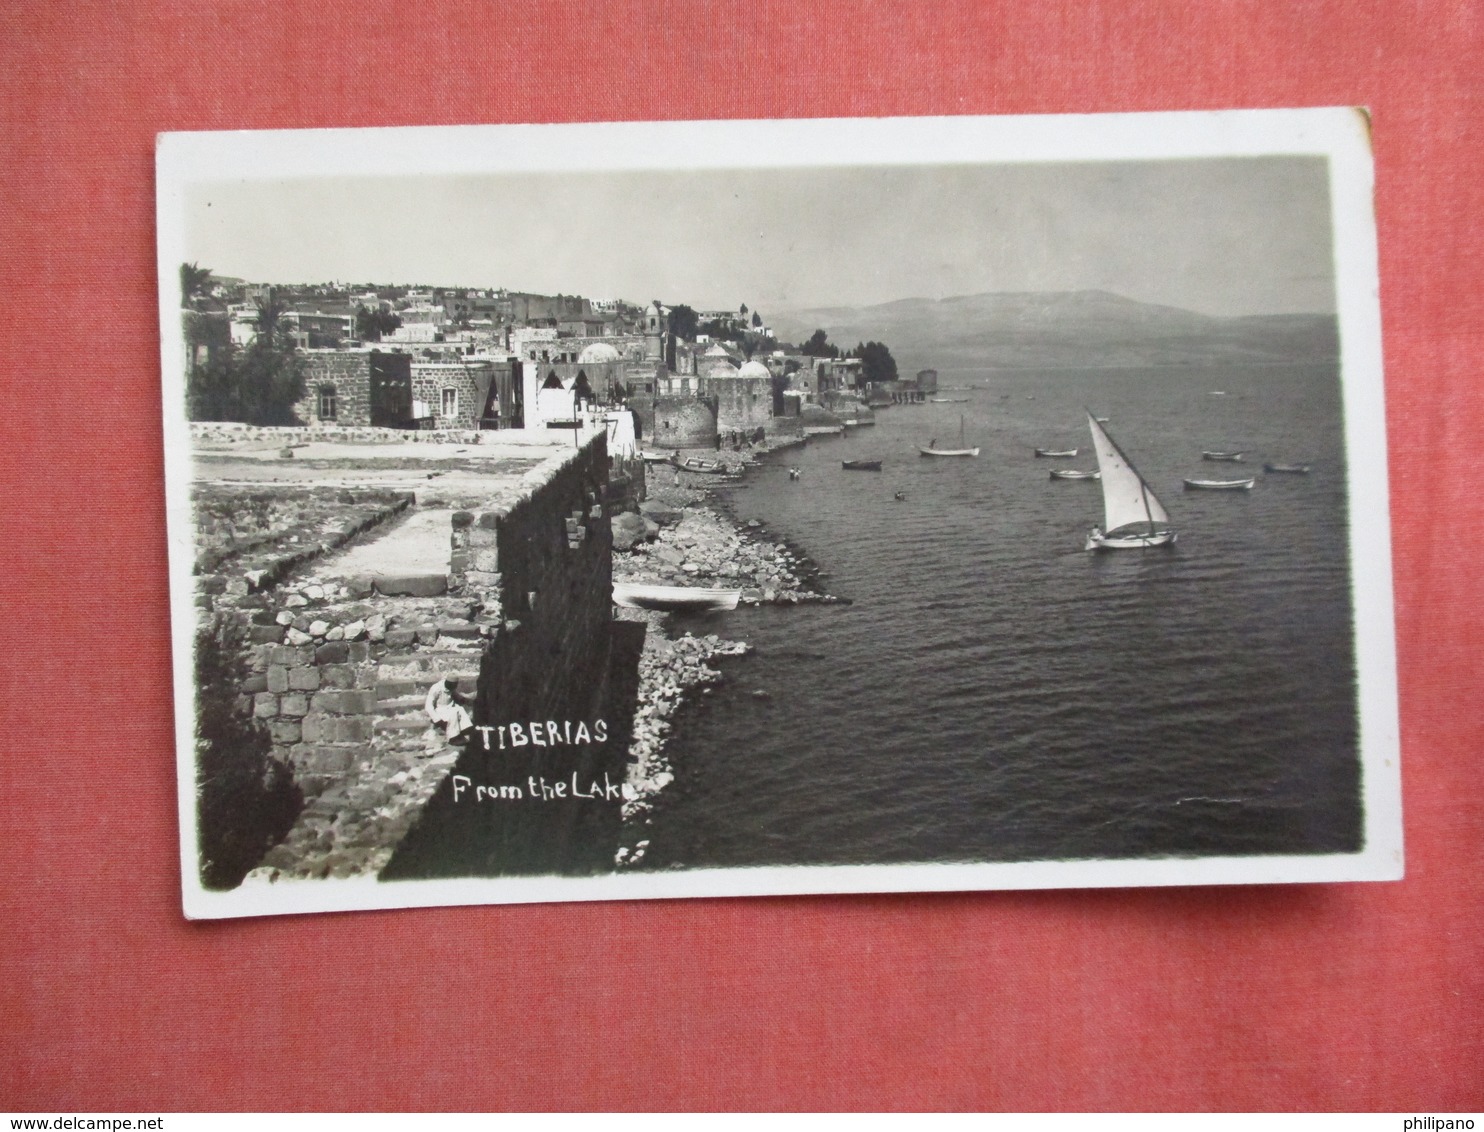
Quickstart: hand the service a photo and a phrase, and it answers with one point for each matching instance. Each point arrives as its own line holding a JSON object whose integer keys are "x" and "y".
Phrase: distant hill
{"x": 1072, "y": 329}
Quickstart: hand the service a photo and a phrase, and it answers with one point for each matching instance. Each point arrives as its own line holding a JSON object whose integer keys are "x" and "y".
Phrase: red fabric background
{"x": 1347, "y": 996}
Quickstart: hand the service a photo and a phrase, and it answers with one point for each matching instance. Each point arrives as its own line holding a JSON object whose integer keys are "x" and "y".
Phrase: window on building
{"x": 450, "y": 404}
{"x": 327, "y": 406}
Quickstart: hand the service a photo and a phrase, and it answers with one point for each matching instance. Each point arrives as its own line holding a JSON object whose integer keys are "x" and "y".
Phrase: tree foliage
{"x": 684, "y": 322}
{"x": 193, "y": 283}
{"x": 372, "y": 324}
{"x": 819, "y": 346}
{"x": 259, "y": 384}
{"x": 877, "y": 364}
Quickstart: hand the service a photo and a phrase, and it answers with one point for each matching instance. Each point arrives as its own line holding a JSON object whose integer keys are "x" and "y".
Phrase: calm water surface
{"x": 995, "y": 692}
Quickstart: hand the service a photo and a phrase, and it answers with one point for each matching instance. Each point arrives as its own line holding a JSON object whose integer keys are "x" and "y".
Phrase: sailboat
{"x": 1133, "y": 516}
{"x": 933, "y": 450}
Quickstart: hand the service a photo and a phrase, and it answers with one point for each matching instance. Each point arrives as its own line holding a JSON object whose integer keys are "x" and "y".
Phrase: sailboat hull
{"x": 1130, "y": 542}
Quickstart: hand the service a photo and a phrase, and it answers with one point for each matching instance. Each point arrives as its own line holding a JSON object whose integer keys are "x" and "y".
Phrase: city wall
{"x": 338, "y": 671}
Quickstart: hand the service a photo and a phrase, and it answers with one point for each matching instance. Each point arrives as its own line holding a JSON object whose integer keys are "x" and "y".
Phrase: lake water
{"x": 995, "y": 692}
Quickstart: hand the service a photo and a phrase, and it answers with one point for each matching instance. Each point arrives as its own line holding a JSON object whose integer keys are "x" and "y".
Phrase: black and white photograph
{"x": 745, "y": 508}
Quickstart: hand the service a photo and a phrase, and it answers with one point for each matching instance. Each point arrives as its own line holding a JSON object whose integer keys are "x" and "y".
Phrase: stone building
{"x": 451, "y": 394}
{"x": 597, "y": 374}
{"x": 744, "y": 396}
{"x": 675, "y": 421}
{"x": 356, "y": 388}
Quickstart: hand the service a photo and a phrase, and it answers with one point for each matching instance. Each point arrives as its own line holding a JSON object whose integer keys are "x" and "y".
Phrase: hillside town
{"x": 432, "y": 358}
{"x": 389, "y": 483}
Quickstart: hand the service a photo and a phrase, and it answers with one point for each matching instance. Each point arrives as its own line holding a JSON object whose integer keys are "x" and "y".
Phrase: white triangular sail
{"x": 1127, "y": 499}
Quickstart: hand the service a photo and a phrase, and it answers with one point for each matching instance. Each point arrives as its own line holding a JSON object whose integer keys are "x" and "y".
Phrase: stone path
{"x": 419, "y": 544}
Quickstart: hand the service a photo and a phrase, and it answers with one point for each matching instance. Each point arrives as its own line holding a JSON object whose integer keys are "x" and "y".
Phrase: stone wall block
{"x": 293, "y": 704}
{"x": 353, "y": 729}
{"x": 304, "y": 679}
{"x": 329, "y": 760}
{"x": 333, "y": 652}
{"x": 284, "y": 730}
{"x": 265, "y": 705}
{"x": 338, "y": 676}
{"x": 278, "y": 678}
{"x": 318, "y": 727}
{"x": 291, "y": 655}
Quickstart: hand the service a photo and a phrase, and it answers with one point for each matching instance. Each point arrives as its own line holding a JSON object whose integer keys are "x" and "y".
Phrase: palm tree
{"x": 193, "y": 283}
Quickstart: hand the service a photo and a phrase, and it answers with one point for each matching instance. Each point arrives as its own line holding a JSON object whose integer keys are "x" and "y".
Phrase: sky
{"x": 1222, "y": 236}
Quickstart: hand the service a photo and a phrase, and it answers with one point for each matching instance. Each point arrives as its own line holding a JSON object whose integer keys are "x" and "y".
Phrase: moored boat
{"x": 1229, "y": 457}
{"x": 637, "y": 595}
{"x": 933, "y": 450}
{"x": 1221, "y": 485}
{"x": 1073, "y": 474}
{"x": 1291, "y": 469}
{"x": 861, "y": 465}
{"x": 1056, "y": 452}
{"x": 1133, "y": 516}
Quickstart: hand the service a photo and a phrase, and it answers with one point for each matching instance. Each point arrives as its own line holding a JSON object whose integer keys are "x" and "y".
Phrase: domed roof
{"x": 716, "y": 351}
{"x": 754, "y": 369}
{"x": 598, "y": 352}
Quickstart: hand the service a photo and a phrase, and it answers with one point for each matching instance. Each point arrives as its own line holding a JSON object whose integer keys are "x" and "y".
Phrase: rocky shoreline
{"x": 680, "y": 536}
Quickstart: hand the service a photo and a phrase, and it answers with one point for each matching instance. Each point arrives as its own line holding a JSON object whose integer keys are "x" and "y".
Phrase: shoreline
{"x": 691, "y": 536}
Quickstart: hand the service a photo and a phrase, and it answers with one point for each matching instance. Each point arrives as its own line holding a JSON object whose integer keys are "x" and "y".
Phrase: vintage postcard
{"x": 730, "y": 508}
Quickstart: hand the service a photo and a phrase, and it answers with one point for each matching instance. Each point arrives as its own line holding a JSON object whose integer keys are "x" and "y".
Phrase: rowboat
{"x": 1073, "y": 474}
{"x": 1293, "y": 469}
{"x": 1229, "y": 457}
{"x": 1134, "y": 517}
{"x": 703, "y": 467}
{"x": 635, "y": 595}
{"x": 861, "y": 465}
{"x": 1056, "y": 452}
{"x": 1221, "y": 485}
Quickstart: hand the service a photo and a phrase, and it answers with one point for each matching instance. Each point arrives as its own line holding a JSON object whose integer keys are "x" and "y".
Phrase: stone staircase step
{"x": 399, "y": 689}
{"x": 399, "y": 704}
{"x": 400, "y": 723}
{"x": 432, "y": 663}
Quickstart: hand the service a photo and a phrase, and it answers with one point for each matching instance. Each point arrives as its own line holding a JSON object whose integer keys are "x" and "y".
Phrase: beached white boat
{"x": 1221, "y": 485}
{"x": 1072, "y": 474}
{"x": 637, "y": 595}
{"x": 933, "y": 449}
{"x": 1133, "y": 516}
{"x": 703, "y": 467}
